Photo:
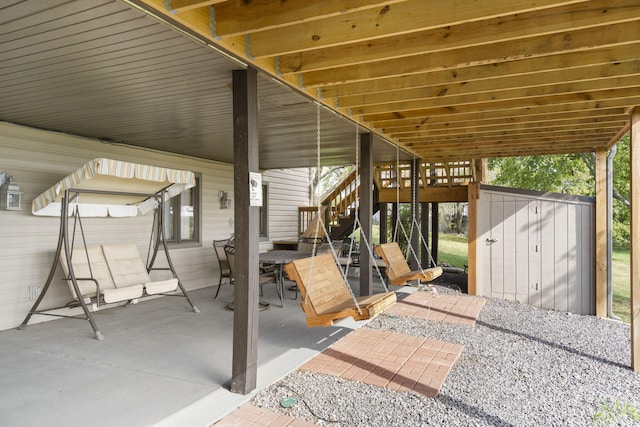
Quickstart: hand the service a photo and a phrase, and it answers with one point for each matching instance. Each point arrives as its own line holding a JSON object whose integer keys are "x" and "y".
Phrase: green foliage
{"x": 611, "y": 414}
{"x": 558, "y": 173}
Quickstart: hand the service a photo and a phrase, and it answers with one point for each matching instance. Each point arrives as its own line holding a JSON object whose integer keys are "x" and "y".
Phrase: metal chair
{"x": 223, "y": 262}
{"x": 230, "y": 253}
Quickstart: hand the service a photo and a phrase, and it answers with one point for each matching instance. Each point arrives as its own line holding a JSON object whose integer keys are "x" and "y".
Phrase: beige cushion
{"x": 161, "y": 286}
{"x": 122, "y": 294}
{"x": 125, "y": 265}
{"x": 81, "y": 270}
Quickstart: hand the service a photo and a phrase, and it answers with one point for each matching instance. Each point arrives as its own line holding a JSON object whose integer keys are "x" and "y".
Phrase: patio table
{"x": 279, "y": 258}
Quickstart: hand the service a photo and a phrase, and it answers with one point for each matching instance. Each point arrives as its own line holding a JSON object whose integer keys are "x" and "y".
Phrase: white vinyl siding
{"x": 38, "y": 159}
{"x": 288, "y": 190}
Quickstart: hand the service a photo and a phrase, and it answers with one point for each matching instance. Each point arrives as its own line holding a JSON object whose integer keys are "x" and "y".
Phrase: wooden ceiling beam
{"x": 544, "y": 81}
{"x": 505, "y": 137}
{"x": 589, "y": 143}
{"x": 443, "y": 123}
{"x": 401, "y": 18}
{"x": 507, "y": 28}
{"x": 598, "y": 128}
{"x": 542, "y": 113}
{"x": 563, "y": 102}
{"x": 529, "y": 96}
{"x": 614, "y": 122}
{"x": 238, "y": 17}
{"x": 516, "y": 152}
{"x": 571, "y": 41}
{"x": 561, "y": 62}
{"x": 178, "y": 6}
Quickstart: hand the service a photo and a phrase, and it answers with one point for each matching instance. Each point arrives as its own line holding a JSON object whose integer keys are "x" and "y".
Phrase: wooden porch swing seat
{"x": 398, "y": 270}
{"x": 325, "y": 296}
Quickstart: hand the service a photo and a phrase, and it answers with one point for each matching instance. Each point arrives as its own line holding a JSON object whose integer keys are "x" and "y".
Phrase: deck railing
{"x": 342, "y": 199}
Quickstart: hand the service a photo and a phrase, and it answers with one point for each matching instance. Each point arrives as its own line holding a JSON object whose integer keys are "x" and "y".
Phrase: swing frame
{"x": 65, "y": 244}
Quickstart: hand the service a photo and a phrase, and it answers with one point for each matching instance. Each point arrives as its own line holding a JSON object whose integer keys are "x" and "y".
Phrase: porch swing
{"x": 109, "y": 274}
{"x": 398, "y": 269}
{"x": 325, "y": 292}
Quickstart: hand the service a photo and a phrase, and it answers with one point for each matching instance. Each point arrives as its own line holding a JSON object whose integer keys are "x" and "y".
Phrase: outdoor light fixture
{"x": 224, "y": 199}
{"x": 10, "y": 194}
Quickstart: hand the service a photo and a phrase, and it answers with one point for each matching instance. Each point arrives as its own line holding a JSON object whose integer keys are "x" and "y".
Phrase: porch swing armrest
{"x": 86, "y": 279}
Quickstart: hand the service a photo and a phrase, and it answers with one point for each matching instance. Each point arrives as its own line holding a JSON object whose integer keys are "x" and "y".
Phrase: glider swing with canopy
{"x": 109, "y": 273}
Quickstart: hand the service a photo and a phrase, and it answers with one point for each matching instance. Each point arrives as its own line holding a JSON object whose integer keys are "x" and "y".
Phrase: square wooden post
{"x": 415, "y": 190}
{"x": 246, "y": 289}
{"x": 472, "y": 277}
{"x": 635, "y": 239}
{"x": 366, "y": 211}
{"x": 601, "y": 233}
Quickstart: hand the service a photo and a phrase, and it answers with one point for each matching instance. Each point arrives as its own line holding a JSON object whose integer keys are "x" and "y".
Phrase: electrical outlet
{"x": 34, "y": 292}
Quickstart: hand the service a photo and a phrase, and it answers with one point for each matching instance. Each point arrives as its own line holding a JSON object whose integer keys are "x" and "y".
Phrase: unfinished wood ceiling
{"x": 446, "y": 79}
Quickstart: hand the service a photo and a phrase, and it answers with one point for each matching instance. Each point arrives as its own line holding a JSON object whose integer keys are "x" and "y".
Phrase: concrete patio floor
{"x": 160, "y": 364}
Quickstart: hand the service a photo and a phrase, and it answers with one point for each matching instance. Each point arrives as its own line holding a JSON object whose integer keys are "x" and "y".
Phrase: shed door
{"x": 514, "y": 249}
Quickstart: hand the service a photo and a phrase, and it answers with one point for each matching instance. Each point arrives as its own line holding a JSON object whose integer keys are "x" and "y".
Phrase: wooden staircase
{"x": 438, "y": 182}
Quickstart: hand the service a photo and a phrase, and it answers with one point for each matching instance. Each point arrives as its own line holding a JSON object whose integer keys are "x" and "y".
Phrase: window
{"x": 182, "y": 216}
{"x": 264, "y": 212}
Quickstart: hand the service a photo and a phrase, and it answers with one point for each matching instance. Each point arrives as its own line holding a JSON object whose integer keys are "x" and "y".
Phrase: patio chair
{"x": 264, "y": 278}
{"x": 223, "y": 263}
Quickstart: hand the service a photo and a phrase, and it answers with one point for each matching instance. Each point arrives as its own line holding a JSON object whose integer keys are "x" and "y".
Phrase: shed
{"x": 537, "y": 248}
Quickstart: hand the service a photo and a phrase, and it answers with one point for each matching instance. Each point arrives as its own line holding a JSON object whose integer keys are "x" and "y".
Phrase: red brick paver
{"x": 460, "y": 309}
{"x": 249, "y": 415}
{"x": 388, "y": 359}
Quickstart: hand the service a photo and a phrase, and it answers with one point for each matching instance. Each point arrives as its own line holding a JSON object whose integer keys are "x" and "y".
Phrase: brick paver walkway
{"x": 388, "y": 359}
{"x": 249, "y": 415}
{"x": 385, "y": 359}
{"x": 460, "y": 309}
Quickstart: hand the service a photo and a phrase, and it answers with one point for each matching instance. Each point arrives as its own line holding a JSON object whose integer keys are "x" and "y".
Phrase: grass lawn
{"x": 452, "y": 250}
{"x": 621, "y": 280}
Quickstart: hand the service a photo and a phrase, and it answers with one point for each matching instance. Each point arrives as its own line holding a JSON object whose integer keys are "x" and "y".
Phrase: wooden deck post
{"x": 415, "y": 190}
{"x": 246, "y": 289}
{"x": 366, "y": 211}
{"x": 424, "y": 226}
{"x": 384, "y": 222}
{"x": 472, "y": 277}
{"x": 635, "y": 239}
{"x": 601, "y": 233}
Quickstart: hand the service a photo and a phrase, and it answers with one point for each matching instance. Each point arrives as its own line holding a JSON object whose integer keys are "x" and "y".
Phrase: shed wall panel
{"x": 538, "y": 249}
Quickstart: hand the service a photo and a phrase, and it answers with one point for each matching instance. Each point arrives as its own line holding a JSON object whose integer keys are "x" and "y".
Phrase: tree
{"x": 324, "y": 179}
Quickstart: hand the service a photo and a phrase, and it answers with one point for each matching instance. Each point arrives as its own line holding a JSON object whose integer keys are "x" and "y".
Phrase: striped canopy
{"x": 114, "y": 178}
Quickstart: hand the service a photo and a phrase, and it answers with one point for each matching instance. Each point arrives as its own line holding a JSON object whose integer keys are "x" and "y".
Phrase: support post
{"x": 424, "y": 224}
{"x": 435, "y": 231}
{"x": 366, "y": 211}
{"x": 394, "y": 221}
{"x": 415, "y": 188}
{"x": 384, "y": 222}
{"x": 601, "y": 233}
{"x": 246, "y": 289}
{"x": 472, "y": 277}
{"x": 635, "y": 239}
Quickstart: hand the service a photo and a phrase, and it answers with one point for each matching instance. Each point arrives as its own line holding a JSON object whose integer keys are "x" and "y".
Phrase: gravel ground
{"x": 520, "y": 366}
